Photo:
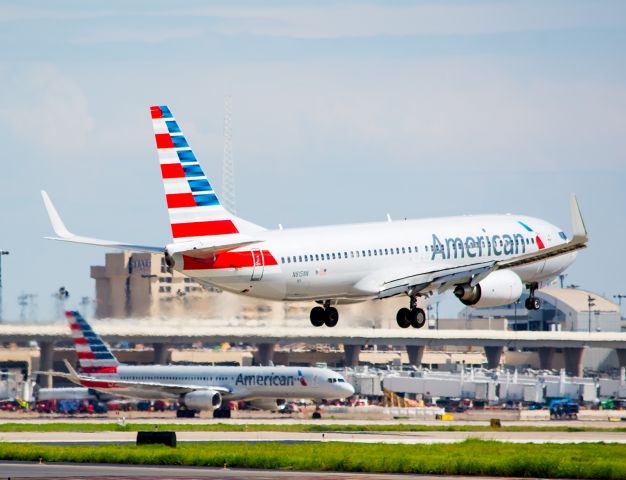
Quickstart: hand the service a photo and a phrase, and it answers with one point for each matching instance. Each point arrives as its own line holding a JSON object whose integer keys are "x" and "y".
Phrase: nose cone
{"x": 348, "y": 390}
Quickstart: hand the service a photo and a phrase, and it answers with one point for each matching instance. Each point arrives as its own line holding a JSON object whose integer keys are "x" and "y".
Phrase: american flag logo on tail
{"x": 193, "y": 206}
{"x": 93, "y": 355}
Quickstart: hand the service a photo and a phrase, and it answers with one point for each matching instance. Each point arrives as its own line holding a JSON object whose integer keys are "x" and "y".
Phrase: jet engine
{"x": 501, "y": 287}
{"x": 203, "y": 400}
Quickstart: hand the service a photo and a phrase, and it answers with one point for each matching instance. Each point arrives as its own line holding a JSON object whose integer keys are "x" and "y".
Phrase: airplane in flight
{"x": 485, "y": 260}
{"x": 196, "y": 387}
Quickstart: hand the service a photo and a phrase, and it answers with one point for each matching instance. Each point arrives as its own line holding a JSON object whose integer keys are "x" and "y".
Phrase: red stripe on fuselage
{"x": 98, "y": 384}
{"x": 163, "y": 140}
{"x": 172, "y": 170}
{"x": 180, "y": 200}
{"x": 226, "y": 260}
{"x": 99, "y": 369}
{"x": 201, "y": 229}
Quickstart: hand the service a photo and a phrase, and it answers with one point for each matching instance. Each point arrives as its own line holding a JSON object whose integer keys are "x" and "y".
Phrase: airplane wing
{"x": 393, "y": 283}
{"x": 415, "y": 280}
{"x": 579, "y": 241}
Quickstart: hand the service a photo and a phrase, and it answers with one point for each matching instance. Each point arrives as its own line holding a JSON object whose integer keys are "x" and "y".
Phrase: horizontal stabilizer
{"x": 206, "y": 248}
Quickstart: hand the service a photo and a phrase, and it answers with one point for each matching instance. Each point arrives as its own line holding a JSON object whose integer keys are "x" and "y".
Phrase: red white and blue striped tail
{"x": 194, "y": 209}
{"x": 93, "y": 355}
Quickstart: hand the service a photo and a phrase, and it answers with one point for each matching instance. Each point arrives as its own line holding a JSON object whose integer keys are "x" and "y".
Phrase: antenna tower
{"x": 228, "y": 168}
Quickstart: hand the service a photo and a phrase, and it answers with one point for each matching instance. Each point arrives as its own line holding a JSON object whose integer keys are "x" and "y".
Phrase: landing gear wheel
{"x": 332, "y": 317}
{"x": 417, "y": 317}
{"x": 318, "y": 316}
{"x": 402, "y": 317}
{"x": 532, "y": 303}
{"x": 185, "y": 413}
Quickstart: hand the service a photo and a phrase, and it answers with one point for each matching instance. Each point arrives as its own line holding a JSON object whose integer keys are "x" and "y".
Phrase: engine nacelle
{"x": 501, "y": 287}
{"x": 203, "y": 400}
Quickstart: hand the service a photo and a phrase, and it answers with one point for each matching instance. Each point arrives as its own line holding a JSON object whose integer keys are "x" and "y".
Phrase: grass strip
{"x": 254, "y": 427}
{"x": 472, "y": 457}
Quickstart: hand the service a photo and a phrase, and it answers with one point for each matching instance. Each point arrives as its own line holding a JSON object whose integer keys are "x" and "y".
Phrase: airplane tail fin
{"x": 93, "y": 355}
{"x": 195, "y": 210}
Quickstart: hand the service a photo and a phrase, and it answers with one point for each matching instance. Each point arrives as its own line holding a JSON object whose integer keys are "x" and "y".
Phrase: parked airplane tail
{"x": 93, "y": 355}
{"x": 195, "y": 210}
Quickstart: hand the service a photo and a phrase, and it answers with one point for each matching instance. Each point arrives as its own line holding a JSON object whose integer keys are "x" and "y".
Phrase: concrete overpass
{"x": 163, "y": 334}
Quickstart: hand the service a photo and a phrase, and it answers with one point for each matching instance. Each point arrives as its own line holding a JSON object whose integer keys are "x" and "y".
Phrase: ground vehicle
{"x": 563, "y": 408}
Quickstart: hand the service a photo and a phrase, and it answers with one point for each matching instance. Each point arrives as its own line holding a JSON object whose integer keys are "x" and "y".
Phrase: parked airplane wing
{"x": 64, "y": 235}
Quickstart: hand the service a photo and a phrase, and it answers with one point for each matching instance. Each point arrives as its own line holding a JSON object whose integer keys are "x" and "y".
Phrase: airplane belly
{"x": 270, "y": 287}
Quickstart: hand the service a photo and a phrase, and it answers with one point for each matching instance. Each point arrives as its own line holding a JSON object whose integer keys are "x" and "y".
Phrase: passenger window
{"x": 300, "y": 258}
{"x": 409, "y": 249}
{"x": 375, "y": 253}
{"x": 380, "y": 251}
{"x": 386, "y": 252}
{"x": 397, "y": 250}
{"x": 282, "y": 259}
{"x": 328, "y": 256}
{"x": 294, "y": 259}
{"x": 333, "y": 256}
{"x": 317, "y": 257}
{"x": 345, "y": 254}
{"x": 351, "y": 253}
{"x": 369, "y": 253}
{"x": 426, "y": 247}
{"x": 403, "y": 250}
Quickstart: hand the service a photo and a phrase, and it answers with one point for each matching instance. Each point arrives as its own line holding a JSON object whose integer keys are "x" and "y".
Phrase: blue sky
{"x": 342, "y": 112}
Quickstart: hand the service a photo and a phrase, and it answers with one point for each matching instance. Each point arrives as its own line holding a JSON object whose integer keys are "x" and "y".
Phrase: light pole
{"x": 590, "y": 300}
{"x": 2, "y": 252}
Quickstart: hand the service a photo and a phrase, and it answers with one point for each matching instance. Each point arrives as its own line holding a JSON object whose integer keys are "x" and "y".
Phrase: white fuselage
{"x": 242, "y": 383}
{"x": 325, "y": 263}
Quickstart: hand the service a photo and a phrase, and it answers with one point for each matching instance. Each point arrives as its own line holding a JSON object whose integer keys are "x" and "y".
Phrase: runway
{"x": 53, "y": 471}
{"x": 90, "y": 438}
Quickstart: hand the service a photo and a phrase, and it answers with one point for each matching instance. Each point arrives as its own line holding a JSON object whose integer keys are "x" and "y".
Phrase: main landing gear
{"x": 532, "y": 302}
{"x": 325, "y": 315}
{"x": 411, "y": 317}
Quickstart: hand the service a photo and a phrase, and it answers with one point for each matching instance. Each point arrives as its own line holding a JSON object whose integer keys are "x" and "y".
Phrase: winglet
{"x": 578, "y": 225}
{"x": 55, "y": 218}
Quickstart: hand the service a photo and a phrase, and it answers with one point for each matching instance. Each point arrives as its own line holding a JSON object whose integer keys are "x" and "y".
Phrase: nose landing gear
{"x": 326, "y": 315}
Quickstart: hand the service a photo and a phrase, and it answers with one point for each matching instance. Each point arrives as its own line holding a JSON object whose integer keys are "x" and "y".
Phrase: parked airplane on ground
{"x": 486, "y": 260}
{"x": 195, "y": 387}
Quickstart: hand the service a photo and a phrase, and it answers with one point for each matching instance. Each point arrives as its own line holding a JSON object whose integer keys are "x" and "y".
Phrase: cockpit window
{"x": 340, "y": 380}
{"x": 562, "y": 235}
